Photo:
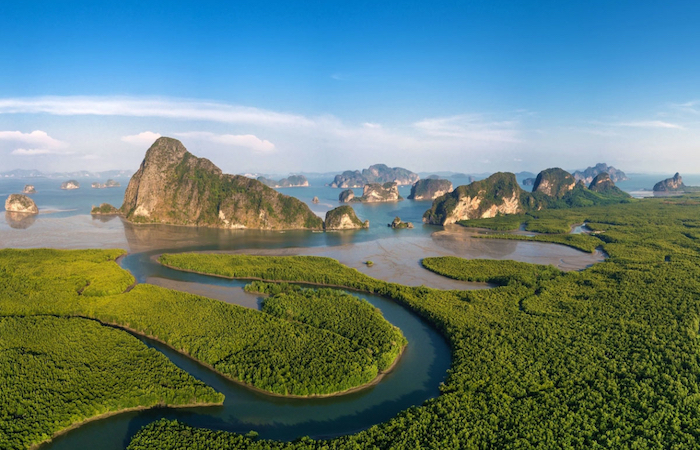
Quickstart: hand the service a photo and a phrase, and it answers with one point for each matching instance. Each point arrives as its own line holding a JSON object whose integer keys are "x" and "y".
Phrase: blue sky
{"x": 325, "y": 86}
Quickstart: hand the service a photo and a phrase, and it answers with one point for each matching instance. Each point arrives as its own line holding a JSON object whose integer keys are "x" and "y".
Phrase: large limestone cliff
{"x": 20, "y": 203}
{"x": 497, "y": 194}
{"x": 173, "y": 186}
{"x": 430, "y": 189}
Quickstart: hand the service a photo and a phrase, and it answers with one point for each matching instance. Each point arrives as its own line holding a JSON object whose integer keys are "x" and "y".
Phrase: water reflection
{"x": 19, "y": 221}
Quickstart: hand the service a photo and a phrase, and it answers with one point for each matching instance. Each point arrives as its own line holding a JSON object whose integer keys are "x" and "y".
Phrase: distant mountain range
{"x": 33, "y": 173}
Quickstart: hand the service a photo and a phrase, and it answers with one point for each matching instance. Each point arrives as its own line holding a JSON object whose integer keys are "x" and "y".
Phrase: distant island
{"x": 70, "y": 184}
{"x": 500, "y": 194}
{"x": 590, "y": 173}
{"x": 29, "y": 189}
{"x": 291, "y": 181}
{"x": 373, "y": 193}
{"x": 378, "y": 173}
{"x": 430, "y": 189}
{"x": 674, "y": 185}
{"x": 33, "y": 173}
{"x": 108, "y": 184}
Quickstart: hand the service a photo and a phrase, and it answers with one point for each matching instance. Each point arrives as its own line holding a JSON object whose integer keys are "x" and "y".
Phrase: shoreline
{"x": 107, "y": 414}
{"x": 375, "y": 380}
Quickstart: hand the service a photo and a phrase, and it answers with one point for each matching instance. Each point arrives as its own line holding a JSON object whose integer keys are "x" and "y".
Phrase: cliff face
{"x": 497, "y": 194}
{"x": 602, "y": 183}
{"x": 554, "y": 182}
{"x": 674, "y": 184}
{"x": 377, "y": 193}
{"x": 590, "y": 173}
{"x": 378, "y": 173}
{"x": 429, "y": 189}
{"x": 346, "y": 196}
{"x": 343, "y": 218}
{"x": 173, "y": 186}
{"x": 20, "y": 203}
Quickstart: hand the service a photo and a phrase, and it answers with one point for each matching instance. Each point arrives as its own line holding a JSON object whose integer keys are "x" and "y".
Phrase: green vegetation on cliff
{"x": 500, "y": 194}
{"x": 105, "y": 208}
{"x": 492, "y": 191}
{"x": 608, "y": 357}
{"x": 175, "y": 187}
{"x": 343, "y": 218}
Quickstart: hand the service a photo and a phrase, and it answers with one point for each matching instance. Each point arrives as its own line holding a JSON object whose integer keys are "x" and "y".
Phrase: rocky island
{"x": 291, "y": 181}
{"x": 108, "y": 184}
{"x": 29, "y": 189}
{"x": 344, "y": 218}
{"x": 378, "y": 173}
{"x": 497, "y": 194}
{"x": 430, "y": 189}
{"x": 105, "y": 209}
{"x": 674, "y": 185}
{"x": 70, "y": 184}
{"x": 172, "y": 186}
{"x": 20, "y": 203}
{"x": 397, "y": 223}
{"x": 590, "y": 173}
{"x": 501, "y": 194}
{"x": 346, "y": 196}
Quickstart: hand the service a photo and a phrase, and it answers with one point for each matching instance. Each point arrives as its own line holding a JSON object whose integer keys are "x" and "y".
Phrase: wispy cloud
{"x": 692, "y": 107}
{"x": 649, "y": 124}
{"x": 150, "y": 107}
{"x": 469, "y": 126}
{"x": 142, "y": 139}
{"x": 235, "y": 140}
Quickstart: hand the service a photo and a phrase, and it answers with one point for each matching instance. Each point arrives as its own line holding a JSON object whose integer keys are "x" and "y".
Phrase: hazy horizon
{"x": 324, "y": 87}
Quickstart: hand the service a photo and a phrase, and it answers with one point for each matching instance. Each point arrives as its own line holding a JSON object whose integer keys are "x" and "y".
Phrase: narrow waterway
{"x": 415, "y": 378}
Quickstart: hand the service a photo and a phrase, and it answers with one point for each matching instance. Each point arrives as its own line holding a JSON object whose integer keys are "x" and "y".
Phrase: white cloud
{"x": 150, "y": 107}
{"x": 235, "y": 140}
{"x": 40, "y": 143}
{"x": 142, "y": 139}
{"x": 371, "y": 125}
{"x": 650, "y": 124}
{"x": 36, "y": 138}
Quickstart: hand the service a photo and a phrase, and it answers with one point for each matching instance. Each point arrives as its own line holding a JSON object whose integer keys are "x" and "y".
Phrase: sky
{"x": 323, "y": 86}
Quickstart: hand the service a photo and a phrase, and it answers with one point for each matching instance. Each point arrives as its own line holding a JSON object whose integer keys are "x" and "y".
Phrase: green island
{"x": 608, "y": 357}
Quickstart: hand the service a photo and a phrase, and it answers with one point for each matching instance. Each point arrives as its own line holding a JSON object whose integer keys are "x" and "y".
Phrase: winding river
{"x": 415, "y": 379}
